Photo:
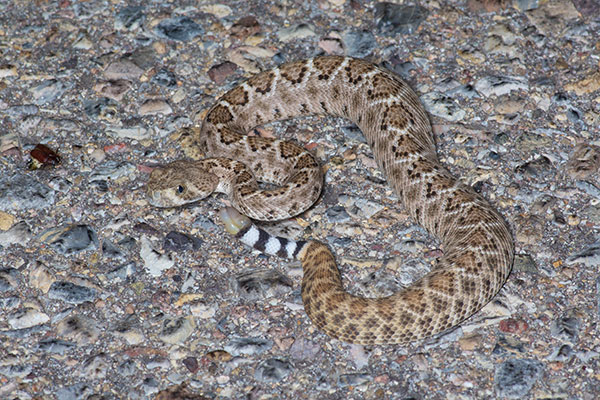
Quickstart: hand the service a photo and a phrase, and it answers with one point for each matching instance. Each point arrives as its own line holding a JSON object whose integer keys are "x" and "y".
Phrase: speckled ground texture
{"x": 104, "y": 297}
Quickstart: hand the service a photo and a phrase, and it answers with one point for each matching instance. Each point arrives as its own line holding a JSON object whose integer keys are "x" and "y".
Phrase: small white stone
{"x": 154, "y": 261}
{"x": 26, "y": 318}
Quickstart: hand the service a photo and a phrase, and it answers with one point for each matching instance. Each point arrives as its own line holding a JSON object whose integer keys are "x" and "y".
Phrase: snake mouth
{"x": 155, "y": 200}
{"x": 233, "y": 220}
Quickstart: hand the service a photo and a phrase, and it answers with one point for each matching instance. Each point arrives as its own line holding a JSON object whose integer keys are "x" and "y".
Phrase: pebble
{"x": 182, "y": 29}
{"x": 79, "y": 329}
{"x": 299, "y": 31}
{"x": 130, "y": 17}
{"x": 181, "y": 242}
{"x": 114, "y": 89}
{"x": 135, "y": 132}
{"x": 514, "y": 378}
{"x": 566, "y": 328}
{"x": 154, "y": 261}
{"x": 71, "y": 239}
{"x": 165, "y": 78}
{"x": 499, "y": 85}
{"x": 26, "y": 318}
{"x": 83, "y": 42}
{"x": 16, "y": 371}
{"x": 512, "y": 325}
{"x": 526, "y": 5}
{"x": 346, "y": 380}
{"x": 337, "y": 214}
{"x": 443, "y": 106}
{"x": 262, "y": 284}
{"x": 584, "y": 161}
{"x": 525, "y": 263}
{"x": 272, "y": 370}
{"x": 540, "y": 167}
{"x": 563, "y": 354}
{"x": 100, "y": 108}
{"x": 360, "y": 207}
{"x": 60, "y": 184}
{"x": 588, "y": 188}
{"x": 22, "y": 192}
{"x": 155, "y": 107}
{"x": 8, "y": 70}
{"x": 158, "y": 362}
{"x": 19, "y": 233}
{"x": 303, "y": 349}
{"x": 244, "y": 27}
{"x": 248, "y": 346}
{"x": 220, "y": 72}
{"x": 123, "y": 69}
{"x": 55, "y": 346}
{"x": 551, "y": 17}
{"x": 10, "y": 302}
{"x": 23, "y": 110}
{"x": 112, "y": 170}
{"x": 129, "y": 330}
{"x": 48, "y": 91}
{"x": 401, "y": 19}
{"x": 122, "y": 272}
{"x": 360, "y": 357}
{"x": 332, "y": 44}
{"x": 111, "y": 251}
{"x": 359, "y": 43}
{"x": 176, "y": 330}
{"x": 589, "y": 257}
{"x": 219, "y": 356}
{"x": 77, "y": 391}
{"x": 9, "y": 278}
{"x": 71, "y": 293}
{"x": 127, "y": 368}
{"x": 219, "y": 10}
{"x": 149, "y": 386}
{"x": 95, "y": 367}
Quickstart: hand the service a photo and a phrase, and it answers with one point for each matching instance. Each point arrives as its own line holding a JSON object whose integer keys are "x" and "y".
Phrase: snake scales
{"x": 478, "y": 247}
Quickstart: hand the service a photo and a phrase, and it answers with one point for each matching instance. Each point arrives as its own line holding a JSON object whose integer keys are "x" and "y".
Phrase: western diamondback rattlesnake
{"x": 478, "y": 247}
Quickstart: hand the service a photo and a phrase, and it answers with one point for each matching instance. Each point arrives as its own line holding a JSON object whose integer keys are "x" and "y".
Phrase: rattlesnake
{"x": 477, "y": 244}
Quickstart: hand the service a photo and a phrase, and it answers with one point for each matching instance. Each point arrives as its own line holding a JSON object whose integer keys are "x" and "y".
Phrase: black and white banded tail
{"x": 242, "y": 228}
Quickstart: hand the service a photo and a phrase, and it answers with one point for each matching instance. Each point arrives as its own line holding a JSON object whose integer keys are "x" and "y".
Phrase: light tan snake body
{"x": 478, "y": 247}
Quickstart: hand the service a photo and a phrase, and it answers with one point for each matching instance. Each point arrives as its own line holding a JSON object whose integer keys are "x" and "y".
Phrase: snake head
{"x": 179, "y": 183}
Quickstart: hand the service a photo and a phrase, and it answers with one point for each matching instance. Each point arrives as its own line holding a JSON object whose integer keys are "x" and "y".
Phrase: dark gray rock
{"x": 56, "y": 346}
{"x": 566, "y": 328}
{"x": 515, "y": 378}
{"x": 122, "y": 272}
{"x": 22, "y": 192}
{"x": 177, "y": 241}
{"x": 180, "y": 28}
{"x": 71, "y": 293}
{"x": 337, "y": 214}
{"x": 359, "y": 43}
{"x": 272, "y": 370}
{"x": 97, "y": 107}
{"x": 111, "y": 251}
{"x": 346, "y": 380}
{"x": 74, "y": 239}
{"x": 165, "y": 78}
{"x": 130, "y": 17}
{"x": 248, "y": 346}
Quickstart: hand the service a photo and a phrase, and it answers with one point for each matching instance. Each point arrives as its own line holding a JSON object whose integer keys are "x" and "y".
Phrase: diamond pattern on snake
{"x": 477, "y": 243}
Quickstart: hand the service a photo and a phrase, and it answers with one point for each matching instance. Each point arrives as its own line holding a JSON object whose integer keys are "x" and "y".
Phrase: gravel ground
{"x": 104, "y": 297}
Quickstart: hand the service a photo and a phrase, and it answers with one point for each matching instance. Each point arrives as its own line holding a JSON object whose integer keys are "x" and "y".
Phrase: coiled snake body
{"x": 478, "y": 247}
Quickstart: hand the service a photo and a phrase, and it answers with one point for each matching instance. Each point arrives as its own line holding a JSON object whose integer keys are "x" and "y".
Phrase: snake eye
{"x": 180, "y": 189}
